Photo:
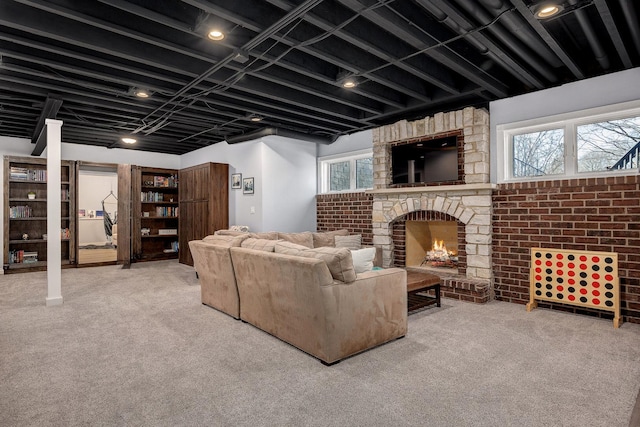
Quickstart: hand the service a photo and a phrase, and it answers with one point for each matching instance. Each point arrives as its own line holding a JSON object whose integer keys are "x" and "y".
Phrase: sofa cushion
{"x": 363, "y": 259}
{"x": 267, "y": 245}
{"x": 225, "y": 240}
{"x": 327, "y": 238}
{"x": 272, "y": 235}
{"x": 338, "y": 260}
{"x": 304, "y": 238}
{"x": 225, "y": 232}
{"x": 288, "y": 248}
{"x": 350, "y": 242}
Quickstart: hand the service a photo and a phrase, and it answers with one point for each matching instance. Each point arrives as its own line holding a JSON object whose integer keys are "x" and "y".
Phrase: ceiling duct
{"x": 271, "y": 131}
{"x": 629, "y": 13}
{"x": 592, "y": 37}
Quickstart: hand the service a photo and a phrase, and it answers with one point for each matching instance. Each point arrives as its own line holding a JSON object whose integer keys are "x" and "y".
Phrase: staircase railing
{"x": 629, "y": 160}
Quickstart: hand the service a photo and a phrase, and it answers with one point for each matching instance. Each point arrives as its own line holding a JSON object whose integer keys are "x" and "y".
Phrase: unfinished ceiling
{"x": 285, "y": 62}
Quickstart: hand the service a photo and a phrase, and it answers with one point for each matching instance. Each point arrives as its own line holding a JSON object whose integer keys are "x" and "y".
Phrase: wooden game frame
{"x": 582, "y": 278}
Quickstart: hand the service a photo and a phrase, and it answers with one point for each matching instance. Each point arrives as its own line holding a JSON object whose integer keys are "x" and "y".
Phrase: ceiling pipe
{"x": 629, "y": 12}
{"x": 285, "y": 133}
{"x": 473, "y": 8}
{"x": 596, "y": 47}
{"x": 519, "y": 27}
{"x": 478, "y": 41}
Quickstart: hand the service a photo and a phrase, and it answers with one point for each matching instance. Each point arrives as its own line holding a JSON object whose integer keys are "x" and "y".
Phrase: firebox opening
{"x": 431, "y": 244}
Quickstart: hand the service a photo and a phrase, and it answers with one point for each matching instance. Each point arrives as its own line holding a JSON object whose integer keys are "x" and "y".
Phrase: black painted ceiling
{"x": 282, "y": 60}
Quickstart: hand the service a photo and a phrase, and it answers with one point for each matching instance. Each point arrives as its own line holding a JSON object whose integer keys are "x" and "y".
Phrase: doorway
{"x": 97, "y": 202}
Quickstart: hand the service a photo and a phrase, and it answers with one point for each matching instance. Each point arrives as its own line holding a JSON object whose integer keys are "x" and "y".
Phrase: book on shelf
{"x": 26, "y": 174}
{"x": 30, "y": 257}
{"x": 19, "y": 256}
{"x": 166, "y": 211}
{"x": 167, "y": 231}
{"x": 165, "y": 181}
{"x": 153, "y": 196}
{"x": 20, "y": 212}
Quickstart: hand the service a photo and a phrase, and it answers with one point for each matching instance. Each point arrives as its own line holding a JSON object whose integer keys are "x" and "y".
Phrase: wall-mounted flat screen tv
{"x": 425, "y": 162}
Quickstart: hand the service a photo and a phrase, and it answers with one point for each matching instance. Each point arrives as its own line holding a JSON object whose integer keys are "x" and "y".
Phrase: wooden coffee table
{"x": 417, "y": 284}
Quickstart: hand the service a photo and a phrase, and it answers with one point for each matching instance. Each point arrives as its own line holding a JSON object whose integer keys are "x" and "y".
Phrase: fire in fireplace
{"x": 440, "y": 256}
{"x": 431, "y": 243}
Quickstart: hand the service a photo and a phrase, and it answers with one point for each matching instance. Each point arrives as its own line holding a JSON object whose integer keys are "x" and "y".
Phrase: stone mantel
{"x": 476, "y": 188}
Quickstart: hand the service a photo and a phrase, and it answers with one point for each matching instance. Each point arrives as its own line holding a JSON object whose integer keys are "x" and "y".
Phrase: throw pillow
{"x": 243, "y": 228}
{"x": 288, "y": 248}
{"x": 266, "y": 245}
{"x": 304, "y": 238}
{"x": 326, "y": 238}
{"x": 350, "y": 242}
{"x": 338, "y": 260}
{"x": 363, "y": 259}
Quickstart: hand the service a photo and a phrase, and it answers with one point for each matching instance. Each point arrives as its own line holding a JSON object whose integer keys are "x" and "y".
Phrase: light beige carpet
{"x": 136, "y": 347}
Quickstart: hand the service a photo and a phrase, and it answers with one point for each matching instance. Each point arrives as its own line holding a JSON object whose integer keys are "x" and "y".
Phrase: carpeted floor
{"x": 136, "y": 347}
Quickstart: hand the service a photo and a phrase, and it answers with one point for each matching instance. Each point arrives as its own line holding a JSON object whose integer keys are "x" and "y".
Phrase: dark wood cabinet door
{"x": 194, "y": 219}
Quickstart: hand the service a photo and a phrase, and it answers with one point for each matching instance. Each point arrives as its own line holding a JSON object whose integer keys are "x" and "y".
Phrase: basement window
{"x": 345, "y": 173}
{"x": 591, "y": 143}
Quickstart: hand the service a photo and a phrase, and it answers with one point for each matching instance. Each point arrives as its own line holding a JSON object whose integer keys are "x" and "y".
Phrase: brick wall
{"x": 352, "y": 211}
{"x": 595, "y": 214}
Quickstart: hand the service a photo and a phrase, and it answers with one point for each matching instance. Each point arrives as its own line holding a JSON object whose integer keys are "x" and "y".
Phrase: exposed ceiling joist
{"x": 51, "y": 106}
{"x": 284, "y": 62}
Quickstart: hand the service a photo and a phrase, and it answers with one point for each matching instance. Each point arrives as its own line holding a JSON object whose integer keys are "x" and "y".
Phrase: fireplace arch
{"x": 401, "y": 248}
{"x": 467, "y": 204}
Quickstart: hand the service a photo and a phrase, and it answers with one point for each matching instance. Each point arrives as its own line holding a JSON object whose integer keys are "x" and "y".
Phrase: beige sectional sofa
{"x": 310, "y": 297}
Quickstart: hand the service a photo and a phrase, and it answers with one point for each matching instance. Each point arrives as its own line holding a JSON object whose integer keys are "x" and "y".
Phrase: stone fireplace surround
{"x": 468, "y": 201}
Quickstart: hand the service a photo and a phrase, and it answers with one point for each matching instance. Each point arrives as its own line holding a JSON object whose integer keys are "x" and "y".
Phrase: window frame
{"x": 324, "y": 171}
{"x": 569, "y": 122}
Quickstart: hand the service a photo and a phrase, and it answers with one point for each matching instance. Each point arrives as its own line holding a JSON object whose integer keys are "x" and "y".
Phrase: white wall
{"x": 284, "y": 172}
{"x": 590, "y": 93}
{"x": 289, "y": 185}
{"x": 244, "y": 158}
{"x": 347, "y": 143}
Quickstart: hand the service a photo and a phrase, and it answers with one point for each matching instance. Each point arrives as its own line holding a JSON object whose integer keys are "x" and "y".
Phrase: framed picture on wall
{"x": 236, "y": 180}
{"x": 247, "y": 186}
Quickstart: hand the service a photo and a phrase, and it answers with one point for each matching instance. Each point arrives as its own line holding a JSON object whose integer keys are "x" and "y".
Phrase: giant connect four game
{"x": 581, "y": 278}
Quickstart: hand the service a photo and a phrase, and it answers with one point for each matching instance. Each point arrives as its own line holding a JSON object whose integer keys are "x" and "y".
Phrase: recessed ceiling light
{"x": 215, "y": 35}
{"x": 256, "y": 119}
{"x": 128, "y": 140}
{"x": 547, "y": 10}
{"x": 349, "y": 83}
{"x": 141, "y": 93}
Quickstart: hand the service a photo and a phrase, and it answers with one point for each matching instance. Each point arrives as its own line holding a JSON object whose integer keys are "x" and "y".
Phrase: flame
{"x": 440, "y": 248}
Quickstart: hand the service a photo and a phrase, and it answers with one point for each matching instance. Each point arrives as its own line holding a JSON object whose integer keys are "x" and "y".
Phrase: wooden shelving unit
{"x": 155, "y": 208}
{"x": 28, "y": 216}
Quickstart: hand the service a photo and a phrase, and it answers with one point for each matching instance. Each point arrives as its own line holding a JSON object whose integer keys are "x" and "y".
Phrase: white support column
{"x": 54, "y": 267}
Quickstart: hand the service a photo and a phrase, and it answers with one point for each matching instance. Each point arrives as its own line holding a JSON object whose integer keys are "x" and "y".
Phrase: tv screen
{"x": 425, "y": 162}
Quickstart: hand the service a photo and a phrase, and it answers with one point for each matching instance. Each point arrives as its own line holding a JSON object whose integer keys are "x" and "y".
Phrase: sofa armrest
{"x": 370, "y": 311}
{"x": 216, "y": 276}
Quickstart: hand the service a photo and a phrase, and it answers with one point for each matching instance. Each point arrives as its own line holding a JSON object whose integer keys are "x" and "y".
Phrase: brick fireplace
{"x": 496, "y": 226}
{"x": 465, "y": 202}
